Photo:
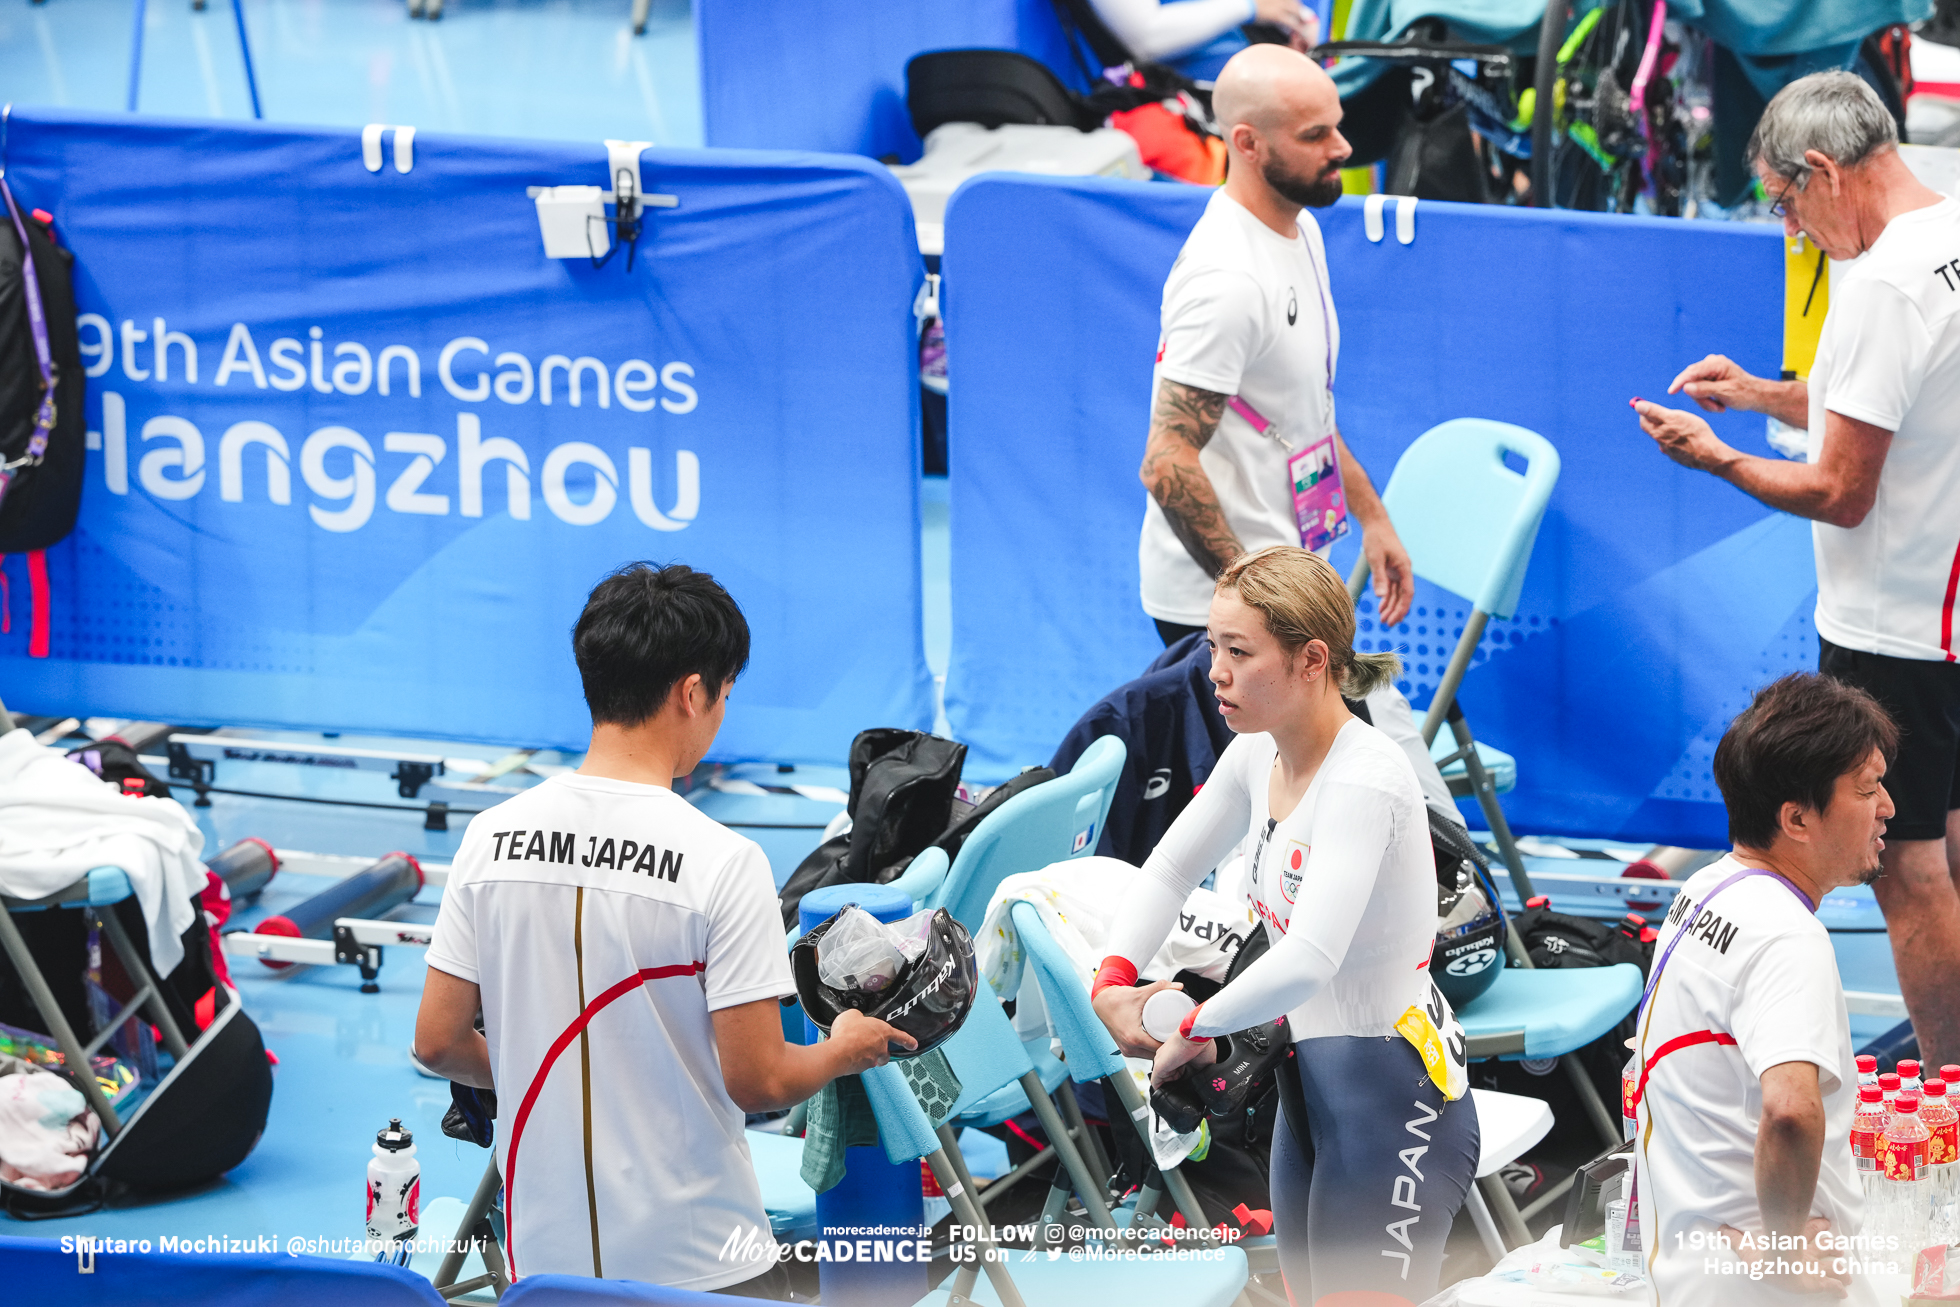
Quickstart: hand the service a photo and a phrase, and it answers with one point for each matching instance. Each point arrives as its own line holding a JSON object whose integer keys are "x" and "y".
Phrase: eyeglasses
{"x": 1778, "y": 209}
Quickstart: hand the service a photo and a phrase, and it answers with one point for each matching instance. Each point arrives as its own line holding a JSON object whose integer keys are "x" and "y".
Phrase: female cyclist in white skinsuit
{"x": 1341, "y": 873}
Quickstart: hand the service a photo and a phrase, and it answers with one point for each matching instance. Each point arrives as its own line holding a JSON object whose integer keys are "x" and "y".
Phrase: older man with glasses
{"x": 1881, "y": 483}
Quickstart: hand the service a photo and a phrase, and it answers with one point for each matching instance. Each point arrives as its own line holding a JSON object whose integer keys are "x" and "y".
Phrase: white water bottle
{"x": 1164, "y": 1012}
{"x": 394, "y": 1193}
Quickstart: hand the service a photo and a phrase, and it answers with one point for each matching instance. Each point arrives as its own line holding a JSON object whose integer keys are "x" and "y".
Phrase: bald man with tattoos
{"x": 1245, "y": 363}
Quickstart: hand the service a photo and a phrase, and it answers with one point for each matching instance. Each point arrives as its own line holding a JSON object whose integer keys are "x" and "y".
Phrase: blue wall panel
{"x": 743, "y": 399}
{"x": 1657, "y": 598}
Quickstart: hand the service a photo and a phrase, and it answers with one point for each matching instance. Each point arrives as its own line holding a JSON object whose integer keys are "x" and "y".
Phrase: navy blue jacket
{"x": 1169, "y": 722}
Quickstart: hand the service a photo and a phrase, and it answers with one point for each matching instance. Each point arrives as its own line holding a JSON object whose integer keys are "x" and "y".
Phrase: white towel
{"x": 46, "y": 1130}
{"x": 59, "y": 821}
{"x": 1078, "y": 901}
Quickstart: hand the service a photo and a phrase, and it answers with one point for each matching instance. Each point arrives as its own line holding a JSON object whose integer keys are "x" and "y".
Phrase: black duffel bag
{"x": 902, "y": 785}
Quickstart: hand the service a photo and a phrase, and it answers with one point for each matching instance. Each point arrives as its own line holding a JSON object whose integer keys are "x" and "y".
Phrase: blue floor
{"x": 559, "y": 69}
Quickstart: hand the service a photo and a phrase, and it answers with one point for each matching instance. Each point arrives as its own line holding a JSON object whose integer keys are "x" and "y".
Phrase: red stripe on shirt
{"x": 558, "y": 1046}
{"x": 1675, "y": 1045}
{"x": 1946, "y": 609}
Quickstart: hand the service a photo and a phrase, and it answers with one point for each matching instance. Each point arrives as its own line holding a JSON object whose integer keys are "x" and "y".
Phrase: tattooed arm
{"x": 1183, "y": 423}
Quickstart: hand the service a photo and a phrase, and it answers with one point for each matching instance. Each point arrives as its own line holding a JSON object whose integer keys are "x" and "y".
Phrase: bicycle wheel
{"x": 1587, "y": 141}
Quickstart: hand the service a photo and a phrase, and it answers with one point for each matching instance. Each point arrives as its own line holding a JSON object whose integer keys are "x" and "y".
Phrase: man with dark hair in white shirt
{"x": 1744, "y": 1179}
{"x": 627, "y": 954}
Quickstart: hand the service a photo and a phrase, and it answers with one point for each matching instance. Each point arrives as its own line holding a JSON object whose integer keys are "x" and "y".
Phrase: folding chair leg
{"x": 1504, "y": 1209}
{"x": 1445, "y": 697}
{"x": 1485, "y": 788}
{"x": 949, "y": 1139}
{"x": 1086, "y": 1134}
{"x": 74, "y": 1060}
{"x": 967, "y": 1212}
{"x": 478, "y": 1210}
{"x": 1088, "y": 1186}
{"x": 1018, "y": 1174}
{"x": 1180, "y": 1189}
{"x": 1486, "y": 1227}
{"x": 1611, "y": 1131}
{"x": 138, "y": 969}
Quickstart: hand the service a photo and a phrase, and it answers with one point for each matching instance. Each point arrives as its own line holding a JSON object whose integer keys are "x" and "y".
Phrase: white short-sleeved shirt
{"x": 1246, "y": 312}
{"x": 1755, "y": 967}
{"x": 622, "y": 902}
{"x": 1889, "y": 354}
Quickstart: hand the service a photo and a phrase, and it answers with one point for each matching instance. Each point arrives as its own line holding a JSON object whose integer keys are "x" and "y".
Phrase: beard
{"x": 1314, "y": 194}
{"x": 1872, "y": 875}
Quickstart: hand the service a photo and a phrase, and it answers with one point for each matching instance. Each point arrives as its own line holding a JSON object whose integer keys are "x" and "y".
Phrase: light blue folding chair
{"x": 1046, "y": 824}
{"x": 985, "y": 1049}
{"x": 1469, "y": 522}
{"x": 999, "y": 1080}
{"x": 1091, "y": 1054}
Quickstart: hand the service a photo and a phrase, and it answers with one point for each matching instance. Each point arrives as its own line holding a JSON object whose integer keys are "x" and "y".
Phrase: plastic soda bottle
{"x": 1866, "y": 1127}
{"x": 1888, "y": 1085}
{"x": 1630, "y": 1092}
{"x": 1943, "y": 1156}
{"x": 394, "y": 1193}
{"x": 1867, "y": 1070}
{"x": 1902, "y": 1162}
{"x": 1909, "y": 1081}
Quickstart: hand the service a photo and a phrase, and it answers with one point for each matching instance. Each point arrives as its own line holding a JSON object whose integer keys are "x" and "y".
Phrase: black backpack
{"x": 902, "y": 785}
{"x": 117, "y": 763}
{"x": 1555, "y": 940}
{"x": 43, "y": 492}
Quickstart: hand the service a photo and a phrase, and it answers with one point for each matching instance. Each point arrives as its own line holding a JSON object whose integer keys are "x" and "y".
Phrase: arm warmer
{"x": 1351, "y": 828}
{"x": 1204, "y": 832}
{"x": 1157, "y": 31}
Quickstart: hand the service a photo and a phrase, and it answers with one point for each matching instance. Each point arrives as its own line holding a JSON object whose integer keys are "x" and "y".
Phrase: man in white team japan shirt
{"x": 1881, "y": 483}
{"x": 1745, "y": 1183}
{"x": 626, "y": 952}
{"x": 1248, "y": 314}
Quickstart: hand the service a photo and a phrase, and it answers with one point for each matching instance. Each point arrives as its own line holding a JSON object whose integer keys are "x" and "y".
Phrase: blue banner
{"x": 360, "y": 448}
{"x": 1657, "y": 598}
{"x": 830, "y": 74}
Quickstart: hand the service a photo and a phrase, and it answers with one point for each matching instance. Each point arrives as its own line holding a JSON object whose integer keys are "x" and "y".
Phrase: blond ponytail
{"x": 1302, "y": 598}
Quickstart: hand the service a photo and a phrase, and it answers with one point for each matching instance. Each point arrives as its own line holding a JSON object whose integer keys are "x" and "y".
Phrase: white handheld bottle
{"x": 394, "y": 1193}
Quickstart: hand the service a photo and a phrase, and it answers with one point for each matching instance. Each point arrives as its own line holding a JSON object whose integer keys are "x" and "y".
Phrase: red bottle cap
{"x": 1908, "y": 1069}
{"x": 1866, "y": 1062}
{"x": 1870, "y": 1094}
{"x": 1936, "y": 1089}
{"x": 1906, "y": 1103}
{"x": 1889, "y": 1081}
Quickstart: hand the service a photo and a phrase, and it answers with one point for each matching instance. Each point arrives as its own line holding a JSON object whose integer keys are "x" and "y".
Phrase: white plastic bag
{"x": 859, "y": 952}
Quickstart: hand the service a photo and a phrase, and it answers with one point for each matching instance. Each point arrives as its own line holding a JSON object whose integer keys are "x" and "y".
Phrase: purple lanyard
{"x": 1655, "y": 979}
{"x": 1258, "y": 421}
{"x": 37, "y": 320}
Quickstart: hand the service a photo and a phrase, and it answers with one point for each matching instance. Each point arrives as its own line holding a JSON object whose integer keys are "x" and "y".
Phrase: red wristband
{"x": 1115, "y": 971}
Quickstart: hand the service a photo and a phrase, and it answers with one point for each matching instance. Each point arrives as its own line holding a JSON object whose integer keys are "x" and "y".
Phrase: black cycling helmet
{"x": 1469, "y": 951}
{"x": 928, "y": 1000}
